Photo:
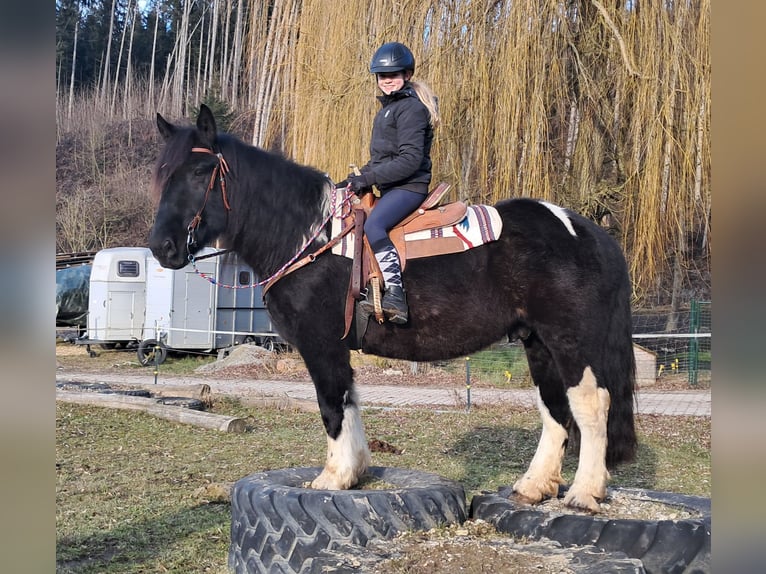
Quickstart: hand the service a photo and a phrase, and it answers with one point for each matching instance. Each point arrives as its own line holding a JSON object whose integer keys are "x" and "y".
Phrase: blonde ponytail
{"x": 430, "y": 101}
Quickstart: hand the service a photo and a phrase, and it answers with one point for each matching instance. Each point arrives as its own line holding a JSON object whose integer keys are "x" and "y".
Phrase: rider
{"x": 399, "y": 166}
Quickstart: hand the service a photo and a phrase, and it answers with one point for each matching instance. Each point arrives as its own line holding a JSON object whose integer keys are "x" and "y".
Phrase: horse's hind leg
{"x": 348, "y": 455}
{"x": 543, "y": 476}
{"x": 590, "y": 409}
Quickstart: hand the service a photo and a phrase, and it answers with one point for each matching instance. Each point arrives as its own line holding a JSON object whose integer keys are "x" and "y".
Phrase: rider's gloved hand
{"x": 358, "y": 183}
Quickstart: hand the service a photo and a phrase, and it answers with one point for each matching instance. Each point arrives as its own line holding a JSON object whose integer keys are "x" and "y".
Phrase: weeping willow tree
{"x": 604, "y": 109}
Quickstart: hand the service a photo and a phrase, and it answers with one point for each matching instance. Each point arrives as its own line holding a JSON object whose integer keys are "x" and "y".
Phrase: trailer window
{"x": 244, "y": 278}
{"x": 127, "y": 269}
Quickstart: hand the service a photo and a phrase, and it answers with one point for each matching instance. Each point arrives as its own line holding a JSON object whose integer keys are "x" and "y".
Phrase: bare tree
{"x": 105, "y": 78}
{"x": 150, "y": 103}
{"x": 74, "y": 66}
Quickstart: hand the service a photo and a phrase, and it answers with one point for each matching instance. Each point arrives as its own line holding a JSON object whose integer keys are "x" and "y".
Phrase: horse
{"x": 553, "y": 278}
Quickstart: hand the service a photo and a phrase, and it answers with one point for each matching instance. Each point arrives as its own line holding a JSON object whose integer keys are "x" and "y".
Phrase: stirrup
{"x": 365, "y": 303}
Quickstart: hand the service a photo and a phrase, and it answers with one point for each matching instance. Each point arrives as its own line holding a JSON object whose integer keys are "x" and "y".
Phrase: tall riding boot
{"x": 394, "y": 301}
{"x": 395, "y": 304}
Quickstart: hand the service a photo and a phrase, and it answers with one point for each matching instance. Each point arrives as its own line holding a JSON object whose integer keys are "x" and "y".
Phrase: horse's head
{"x": 189, "y": 179}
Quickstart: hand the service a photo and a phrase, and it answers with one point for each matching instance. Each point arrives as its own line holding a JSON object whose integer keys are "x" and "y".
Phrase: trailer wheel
{"x": 151, "y": 352}
{"x": 268, "y": 344}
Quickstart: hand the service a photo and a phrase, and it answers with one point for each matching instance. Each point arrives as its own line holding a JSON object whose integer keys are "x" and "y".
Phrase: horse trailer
{"x": 117, "y": 295}
{"x": 136, "y": 302}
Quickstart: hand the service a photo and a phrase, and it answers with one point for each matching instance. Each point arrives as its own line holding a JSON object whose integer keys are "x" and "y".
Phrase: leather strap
{"x": 356, "y": 272}
{"x": 310, "y": 258}
{"x": 355, "y": 283}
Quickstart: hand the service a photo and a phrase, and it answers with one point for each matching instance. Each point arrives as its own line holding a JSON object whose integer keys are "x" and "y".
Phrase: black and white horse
{"x": 552, "y": 278}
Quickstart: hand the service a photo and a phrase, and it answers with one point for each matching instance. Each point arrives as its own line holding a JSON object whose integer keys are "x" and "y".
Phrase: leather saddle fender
{"x": 427, "y": 216}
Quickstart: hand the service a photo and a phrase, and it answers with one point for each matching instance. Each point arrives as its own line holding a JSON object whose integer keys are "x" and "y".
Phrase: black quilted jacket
{"x": 400, "y": 147}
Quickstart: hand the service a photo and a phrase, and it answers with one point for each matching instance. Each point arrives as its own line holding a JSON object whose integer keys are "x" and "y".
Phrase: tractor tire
{"x": 279, "y": 525}
{"x": 660, "y": 545}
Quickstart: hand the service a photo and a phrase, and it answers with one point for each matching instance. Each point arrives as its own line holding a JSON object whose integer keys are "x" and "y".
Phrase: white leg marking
{"x": 562, "y": 215}
{"x": 544, "y": 474}
{"x": 347, "y": 456}
{"x": 590, "y": 408}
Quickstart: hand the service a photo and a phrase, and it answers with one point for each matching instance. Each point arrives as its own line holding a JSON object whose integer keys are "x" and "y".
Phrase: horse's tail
{"x": 619, "y": 375}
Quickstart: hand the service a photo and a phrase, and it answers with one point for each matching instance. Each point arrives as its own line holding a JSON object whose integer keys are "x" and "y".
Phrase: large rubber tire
{"x": 277, "y": 525}
{"x": 151, "y": 352}
{"x": 661, "y": 545}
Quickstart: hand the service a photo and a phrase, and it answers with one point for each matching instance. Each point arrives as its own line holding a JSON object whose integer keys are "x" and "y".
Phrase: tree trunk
{"x": 678, "y": 280}
{"x": 236, "y": 60}
{"x": 126, "y": 104}
{"x": 179, "y": 81}
{"x": 150, "y": 103}
{"x": 113, "y": 103}
{"x": 74, "y": 60}
{"x": 107, "y": 57}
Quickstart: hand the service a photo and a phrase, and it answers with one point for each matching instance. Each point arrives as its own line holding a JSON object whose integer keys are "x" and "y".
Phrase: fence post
{"x": 468, "y": 383}
{"x": 694, "y": 344}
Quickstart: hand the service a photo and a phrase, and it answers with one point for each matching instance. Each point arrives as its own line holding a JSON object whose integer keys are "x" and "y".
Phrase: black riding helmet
{"x": 392, "y": 57}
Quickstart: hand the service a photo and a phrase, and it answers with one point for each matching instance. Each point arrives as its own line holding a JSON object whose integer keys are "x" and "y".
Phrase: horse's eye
{"x": 200, "y": 171}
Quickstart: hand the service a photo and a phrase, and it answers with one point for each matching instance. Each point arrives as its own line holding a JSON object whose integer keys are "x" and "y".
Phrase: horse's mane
{"x": 282, "y": 199}
{"x": 275, "y": 202}
{"x": 173, "y": 154}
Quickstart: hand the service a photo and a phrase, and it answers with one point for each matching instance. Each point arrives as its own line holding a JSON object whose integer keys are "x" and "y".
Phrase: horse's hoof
{"x": 582, "y": 501}
{"x": 325, "y": 481}
{"x": 532, "y": 491}
{"x": 522, "y": 499}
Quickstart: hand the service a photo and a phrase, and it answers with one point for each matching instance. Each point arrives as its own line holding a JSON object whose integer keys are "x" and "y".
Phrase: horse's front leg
{"x": 590, "y": 409}
{"x": 348, "y": 455}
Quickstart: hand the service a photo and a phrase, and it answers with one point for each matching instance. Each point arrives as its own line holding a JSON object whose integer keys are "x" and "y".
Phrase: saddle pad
{"x": 481, "y": 225}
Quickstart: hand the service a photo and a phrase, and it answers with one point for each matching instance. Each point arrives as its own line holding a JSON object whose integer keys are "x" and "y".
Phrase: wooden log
{"x": 200, "y": 392}
{"x": 172, "y": 413}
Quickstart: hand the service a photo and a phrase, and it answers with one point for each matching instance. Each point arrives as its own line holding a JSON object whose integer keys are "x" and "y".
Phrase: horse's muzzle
{"x": 168, "y": 254}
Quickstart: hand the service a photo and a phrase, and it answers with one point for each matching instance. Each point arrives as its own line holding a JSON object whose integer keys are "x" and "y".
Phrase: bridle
{"x": 220, "y": 170}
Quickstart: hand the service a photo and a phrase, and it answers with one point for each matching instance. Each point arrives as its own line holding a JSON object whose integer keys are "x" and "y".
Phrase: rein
{"x": 293, "y": 263}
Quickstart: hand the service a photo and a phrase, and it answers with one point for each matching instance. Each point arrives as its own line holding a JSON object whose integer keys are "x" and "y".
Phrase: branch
{"x": 618, "y": 36}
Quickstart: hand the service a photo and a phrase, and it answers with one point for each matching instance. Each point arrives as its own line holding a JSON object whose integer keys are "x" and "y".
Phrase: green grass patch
{"x": 502, "y": 366}
{"x": 126, "y": 481}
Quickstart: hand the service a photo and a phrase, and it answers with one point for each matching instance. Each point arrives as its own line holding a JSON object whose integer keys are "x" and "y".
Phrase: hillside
{"x": 101, "y": 186}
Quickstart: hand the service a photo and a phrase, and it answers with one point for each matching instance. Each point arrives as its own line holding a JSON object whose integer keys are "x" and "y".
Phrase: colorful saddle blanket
{"x": 452, "y": 228}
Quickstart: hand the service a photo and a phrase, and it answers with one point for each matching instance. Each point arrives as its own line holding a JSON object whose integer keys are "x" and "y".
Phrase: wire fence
{"x": 668, "y": 345}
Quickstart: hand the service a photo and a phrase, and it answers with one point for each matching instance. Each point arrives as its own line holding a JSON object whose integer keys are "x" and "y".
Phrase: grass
{"x": 126, "y": 482}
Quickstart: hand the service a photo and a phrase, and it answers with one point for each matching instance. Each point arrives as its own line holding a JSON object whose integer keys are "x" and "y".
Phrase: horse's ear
{"x": 166, "y": 129}
{"x": 206, "y": 126}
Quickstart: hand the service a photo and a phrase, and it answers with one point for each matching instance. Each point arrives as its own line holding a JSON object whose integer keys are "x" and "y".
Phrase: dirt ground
{"x": 475, "y": 547}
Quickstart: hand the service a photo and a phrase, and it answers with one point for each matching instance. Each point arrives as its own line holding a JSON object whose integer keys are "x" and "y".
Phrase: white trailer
{"x": 135, "y": 301}
{"x": 117, "y": 295}
{"x": 186, "y": 311}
